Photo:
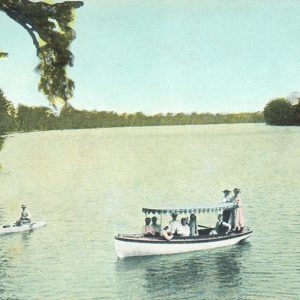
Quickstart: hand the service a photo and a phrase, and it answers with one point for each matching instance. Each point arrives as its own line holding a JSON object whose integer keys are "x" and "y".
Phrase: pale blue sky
{"x": 168, "y": 56}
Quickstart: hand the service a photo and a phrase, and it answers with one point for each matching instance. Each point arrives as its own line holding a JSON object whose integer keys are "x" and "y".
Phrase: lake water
{"x": 89, "y": 185}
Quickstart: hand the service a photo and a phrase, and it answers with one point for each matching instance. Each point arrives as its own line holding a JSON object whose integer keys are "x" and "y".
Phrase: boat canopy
{"x": 191, "y": 209}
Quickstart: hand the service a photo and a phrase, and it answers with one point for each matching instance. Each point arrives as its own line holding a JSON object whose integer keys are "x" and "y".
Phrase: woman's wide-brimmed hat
{"x": 23, "y": 206}
{"x": 226, "y": 191}
{"x": 236, "y": 190}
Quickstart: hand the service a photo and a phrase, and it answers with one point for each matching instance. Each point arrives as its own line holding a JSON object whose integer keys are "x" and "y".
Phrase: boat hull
{"x": 27, "y": 227}
{"x": 126, "y": 246}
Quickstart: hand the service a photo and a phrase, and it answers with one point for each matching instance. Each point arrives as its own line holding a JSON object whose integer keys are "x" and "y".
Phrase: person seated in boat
{"x": 193, "y": 225}
{"x": 156, "y": 227}
{"x": 184, "y": 229}
{"x": 221, "y": 227}
{"x": 174, "y": 224}
{"x": 147, "y": 229}
{"x": 25, "y": 216}
{"x": 166, "y": 233}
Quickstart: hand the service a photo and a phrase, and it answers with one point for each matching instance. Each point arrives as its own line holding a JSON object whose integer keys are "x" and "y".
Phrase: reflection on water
{"x": 26, "y": 236}
{"x": 12, "y": 253}
{"x": 195, "y": 273}
{"x": 23, "y": 266}
{"x": 1, "y": 215}
{"x": 3, "y": 267}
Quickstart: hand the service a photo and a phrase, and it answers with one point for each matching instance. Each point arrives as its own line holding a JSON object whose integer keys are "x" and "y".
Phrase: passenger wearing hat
{"x": 239, "y": 221}
{"x": 226, "y": 212}
{"x": 236, "y": 192}
{"x": 25, "y": 216}
{"x": 226, "y": 197}
{"x": 174, "y": 225}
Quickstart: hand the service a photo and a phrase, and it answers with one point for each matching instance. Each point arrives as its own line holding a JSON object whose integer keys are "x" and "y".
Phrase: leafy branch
{"x": 3, "y": 54}
{"x": 49, "y": 26}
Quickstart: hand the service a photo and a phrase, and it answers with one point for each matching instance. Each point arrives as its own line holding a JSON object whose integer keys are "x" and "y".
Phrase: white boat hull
{"x": 140, "y": 246}
{"x": 26, "y": 227}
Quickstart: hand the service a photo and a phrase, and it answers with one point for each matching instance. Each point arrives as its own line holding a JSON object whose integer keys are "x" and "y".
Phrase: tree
{"x": 3, "y": 54}
{"x": 279, "y": 112}
{"x": 297, "y": 113}
{"x": 49, "y": 26}
{"x": 7, "y": 114}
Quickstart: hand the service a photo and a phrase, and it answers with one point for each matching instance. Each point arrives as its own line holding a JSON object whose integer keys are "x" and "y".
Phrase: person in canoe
{"x": 25, "y": 216}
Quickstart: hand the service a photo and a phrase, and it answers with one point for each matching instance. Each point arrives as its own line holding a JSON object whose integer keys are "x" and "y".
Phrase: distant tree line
{"x": 282, "y": 112}
{"x": 29, "y": 118}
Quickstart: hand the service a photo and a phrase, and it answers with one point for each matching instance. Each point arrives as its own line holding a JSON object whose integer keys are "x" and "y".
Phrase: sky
{"x": 168, "y": 56}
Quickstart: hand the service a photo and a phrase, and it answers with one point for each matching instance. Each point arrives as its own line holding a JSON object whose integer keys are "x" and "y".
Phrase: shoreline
{"x": 4, "y": 135}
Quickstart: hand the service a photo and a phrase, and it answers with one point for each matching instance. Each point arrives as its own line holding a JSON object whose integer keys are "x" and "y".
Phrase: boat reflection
{"x": 1, "y": 215}
{"x": 12, "y": 249}
{"x": 199, "y": 272}
{"x": 4, "y": 267}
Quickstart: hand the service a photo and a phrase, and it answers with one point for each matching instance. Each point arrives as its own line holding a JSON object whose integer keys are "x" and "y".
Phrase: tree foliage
{"x": 297, "y": 113}
{"x": 7, "y": 115}
{"x": 42, "y": 118}
{"x": 279, "y": 112}
{"x": 31, "y": 118}
{"x": 49, "y": 26}
{"x": 3, "y": 54}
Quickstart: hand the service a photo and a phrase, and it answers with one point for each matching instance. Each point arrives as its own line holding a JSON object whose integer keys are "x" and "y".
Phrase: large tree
{"x": 49, "y": 26}
{"x": 279, "y": 112}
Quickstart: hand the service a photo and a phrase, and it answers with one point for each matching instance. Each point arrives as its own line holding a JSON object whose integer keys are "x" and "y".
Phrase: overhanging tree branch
{"x": 3, "y": 54}
{"x": 49, "y": 27}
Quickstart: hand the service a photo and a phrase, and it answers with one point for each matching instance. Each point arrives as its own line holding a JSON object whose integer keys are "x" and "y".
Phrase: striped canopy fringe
{"x": 189, "y": 210}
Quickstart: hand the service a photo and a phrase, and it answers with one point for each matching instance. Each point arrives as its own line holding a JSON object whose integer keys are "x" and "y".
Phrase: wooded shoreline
{"x": 31, "y": 118}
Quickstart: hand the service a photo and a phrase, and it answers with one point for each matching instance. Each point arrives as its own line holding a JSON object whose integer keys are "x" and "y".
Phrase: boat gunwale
{"x": 182, "y": 240}
{"x": 13, "y": 228}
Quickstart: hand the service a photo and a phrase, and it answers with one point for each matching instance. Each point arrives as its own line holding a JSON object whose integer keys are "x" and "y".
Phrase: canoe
{"x": 138, "y": 245}
{"x": 5, "y": 229}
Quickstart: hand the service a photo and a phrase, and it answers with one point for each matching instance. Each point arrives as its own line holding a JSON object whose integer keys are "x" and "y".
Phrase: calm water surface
{"x": 89, "y": 185}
